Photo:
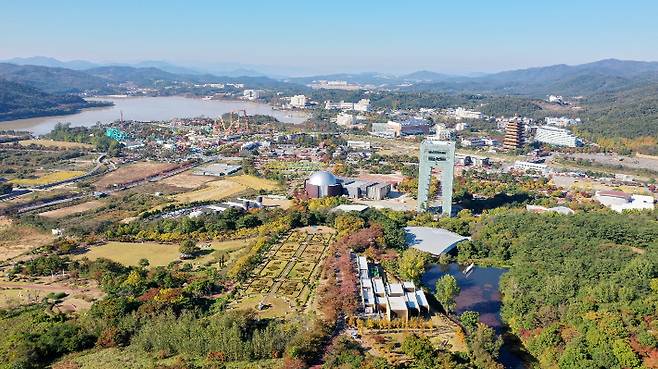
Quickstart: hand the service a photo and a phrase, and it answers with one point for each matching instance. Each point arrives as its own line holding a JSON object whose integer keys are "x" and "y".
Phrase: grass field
{"x": 222, "y": 188}
{"x": 132, "y": 172}
{"x": 74, "y": 209}
{"x": 129, "y": 253}
{"x": 16, "y": 297}
{"x": 158, "y": 254}
{"x": 17, "y": 239}
{"x": 57, "y": 144}
{"x": 48, "y": 178}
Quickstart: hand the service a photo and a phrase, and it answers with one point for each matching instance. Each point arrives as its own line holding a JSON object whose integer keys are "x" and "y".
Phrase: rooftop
{"x": 322, "y": 178}
{"x": 435, "y": 241}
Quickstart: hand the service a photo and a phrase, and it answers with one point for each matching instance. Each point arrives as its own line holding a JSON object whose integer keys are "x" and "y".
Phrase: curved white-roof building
{"x": 436, "y": 241}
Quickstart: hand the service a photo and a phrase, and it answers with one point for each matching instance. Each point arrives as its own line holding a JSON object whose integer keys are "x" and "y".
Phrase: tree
{"x": 446, "y": 291}
{"x": 485, "y": 346}
{"x": 470, "y": 320}
{"x": 144, "y": 262}
{"x": 188, "y": 247}
{"x": 412, "y": 264}
{"x": 347, "y": 224}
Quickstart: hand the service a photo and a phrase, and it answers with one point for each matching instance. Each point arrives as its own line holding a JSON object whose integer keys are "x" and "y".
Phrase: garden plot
{"x": 288, "y": 270}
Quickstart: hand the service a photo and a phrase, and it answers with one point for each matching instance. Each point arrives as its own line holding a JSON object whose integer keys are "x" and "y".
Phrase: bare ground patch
{"x": 131, "y": 173}
{"x": 17, "y": 239}
{"x": 75, "y": 209}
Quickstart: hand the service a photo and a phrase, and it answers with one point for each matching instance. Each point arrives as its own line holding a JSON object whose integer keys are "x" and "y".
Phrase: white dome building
{"x": 323, "y": 184}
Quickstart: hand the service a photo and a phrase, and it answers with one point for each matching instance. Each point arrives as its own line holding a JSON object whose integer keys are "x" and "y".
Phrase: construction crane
{"x": 236, "y": 123}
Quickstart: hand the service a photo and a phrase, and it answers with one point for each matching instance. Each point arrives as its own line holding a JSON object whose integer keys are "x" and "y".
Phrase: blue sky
{"x": 310, "y": 36}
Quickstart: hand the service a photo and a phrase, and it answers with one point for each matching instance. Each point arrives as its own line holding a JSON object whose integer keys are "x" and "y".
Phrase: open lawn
{"x": 129, "y": 253}
{"x": 74, "y": 209}
{"x": 17, "y": 239}
{"x": 158, "y": 254}
{"x": 57, "y": 144}
{"x": 276, "y": 306}
{"x": 230, "y": 248}
{"x": 51, "y": 177}
{"x": 132, "y": 172}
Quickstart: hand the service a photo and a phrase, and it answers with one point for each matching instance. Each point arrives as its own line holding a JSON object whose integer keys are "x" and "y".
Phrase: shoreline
{"x": 147, "y": 108}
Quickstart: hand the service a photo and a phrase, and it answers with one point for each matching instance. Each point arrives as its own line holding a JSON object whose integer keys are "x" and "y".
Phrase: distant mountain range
{"x": 602, "y": 76}
{"x": 229, "y": 70}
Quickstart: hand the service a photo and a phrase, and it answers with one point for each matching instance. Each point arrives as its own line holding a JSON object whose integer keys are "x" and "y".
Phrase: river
{"x": 480, "y": 293}
{"x": 151, "y": 109}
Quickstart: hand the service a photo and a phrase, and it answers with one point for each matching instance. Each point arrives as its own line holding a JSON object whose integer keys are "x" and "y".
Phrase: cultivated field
{"x": 74, "y": 209}
{"x": 187, "y": 180}
{"x": 286, "y": 277}
{"x": 158, "y": 254}
{"x": 132, "y": 172}
{"x": 215, "y": 190}
{"x": 57, "y": 144}
{"x": 255, "y": 182}
{"x": 17, "y": 239}
{"x": 222, "y": 188}
{"x": 47, "y": 178}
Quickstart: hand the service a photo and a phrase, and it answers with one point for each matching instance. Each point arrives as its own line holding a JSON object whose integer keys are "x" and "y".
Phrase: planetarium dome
{"x": 322, "y": 178}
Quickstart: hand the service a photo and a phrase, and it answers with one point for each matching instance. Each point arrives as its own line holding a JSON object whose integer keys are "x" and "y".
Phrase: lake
{"x": 151, "y": 109}
{"x": 480, "y": 293}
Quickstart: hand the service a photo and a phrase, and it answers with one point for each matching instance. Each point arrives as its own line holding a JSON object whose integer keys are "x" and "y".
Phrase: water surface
{"x": 480, "y": 293}
{"x": 150, "y": 109}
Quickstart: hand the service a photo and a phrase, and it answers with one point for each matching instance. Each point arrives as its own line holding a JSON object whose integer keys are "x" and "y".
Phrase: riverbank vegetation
{"x": 581, "y": 291}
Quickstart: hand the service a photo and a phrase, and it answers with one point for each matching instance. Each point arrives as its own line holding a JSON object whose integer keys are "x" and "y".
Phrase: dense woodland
{"x": 581, "y": 290}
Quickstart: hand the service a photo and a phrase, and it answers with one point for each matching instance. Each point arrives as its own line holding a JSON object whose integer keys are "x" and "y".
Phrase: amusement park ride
{"x": 235, "y": 124}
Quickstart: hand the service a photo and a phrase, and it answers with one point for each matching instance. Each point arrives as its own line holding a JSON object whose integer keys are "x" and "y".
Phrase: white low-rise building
{"x": 388, "y": 300}
{"x": 473, "y": 142}
{"x": 620, "y": 201}
{"x": 362, "y": 105}
{"x": 525, "y": 166}
{"x": 561, "y": 121}
{"x": 462, "y": 113}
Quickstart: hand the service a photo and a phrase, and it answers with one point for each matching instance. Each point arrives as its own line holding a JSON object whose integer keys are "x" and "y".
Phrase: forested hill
{"x": 603, "y": 76}
{"x": 53, "y": 80}
{"x": 20, "y": 101}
